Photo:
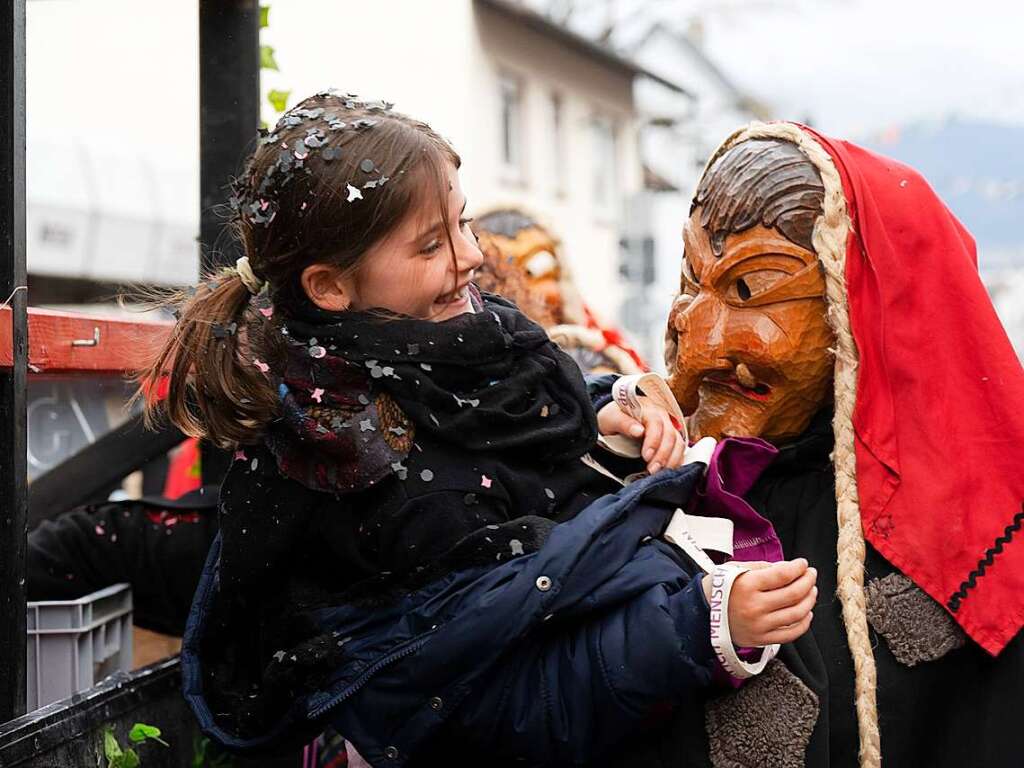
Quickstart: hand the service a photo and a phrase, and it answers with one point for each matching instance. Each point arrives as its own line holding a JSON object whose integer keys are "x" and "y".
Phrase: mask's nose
{"x": 699, "y": 327}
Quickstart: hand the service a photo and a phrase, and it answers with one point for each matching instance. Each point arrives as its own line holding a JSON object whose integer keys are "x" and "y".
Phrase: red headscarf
{"x": 939, "y": 415}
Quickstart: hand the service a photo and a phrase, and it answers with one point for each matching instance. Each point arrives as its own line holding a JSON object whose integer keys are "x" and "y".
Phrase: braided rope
{"x": 829, "y": 238}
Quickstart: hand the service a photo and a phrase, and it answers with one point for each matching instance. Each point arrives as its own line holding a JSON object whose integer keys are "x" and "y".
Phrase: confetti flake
{"x": 517, "y": 547}
{"x": 261, "y": 365}
{"x": 318, "y": 394}
{"x": 240, "y": 455}
{"x": 544, "y": 412}
{"x": 267, "y": 312}
{"x": 549, "y": 493}
{"x": 426, "y": 475}
{"x": 255, "y": 463}
{"x": 485, "y": 481}
{"x": 317, "y": 352}
{"x": 366, "y": 426}
{"x": 354, "y": 193}
{"x": 99, "y": 530}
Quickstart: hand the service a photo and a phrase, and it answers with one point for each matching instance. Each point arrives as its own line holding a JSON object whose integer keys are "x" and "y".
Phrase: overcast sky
{"x": 854, "y": 66}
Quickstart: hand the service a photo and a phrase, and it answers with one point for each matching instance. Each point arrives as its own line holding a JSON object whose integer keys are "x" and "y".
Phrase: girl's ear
{"x": 326, "y": 286}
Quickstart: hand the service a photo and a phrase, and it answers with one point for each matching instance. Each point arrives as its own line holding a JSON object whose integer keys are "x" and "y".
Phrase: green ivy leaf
{"x": 279, "y": 100}
{"x": 140, "y": 732}
{"x": 264, "y": 16}
{"x": 111, "y": 749}
{"x": 267, "y": 57}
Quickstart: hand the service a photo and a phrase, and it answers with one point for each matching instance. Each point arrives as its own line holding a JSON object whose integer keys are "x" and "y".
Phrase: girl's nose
{"x": 468, "y": 254}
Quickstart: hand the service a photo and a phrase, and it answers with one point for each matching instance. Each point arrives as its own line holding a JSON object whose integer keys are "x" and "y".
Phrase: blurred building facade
{"x": 677, "y": 137}
{"x": 601, "y": 141}
{"x": 543, "y": 119}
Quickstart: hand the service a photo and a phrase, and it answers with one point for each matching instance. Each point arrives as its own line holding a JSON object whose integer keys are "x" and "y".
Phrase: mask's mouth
{"x": 741, "y": 381}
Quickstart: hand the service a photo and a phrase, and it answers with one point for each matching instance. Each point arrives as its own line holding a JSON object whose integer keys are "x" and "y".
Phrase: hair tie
{"x": 248, "y": 277}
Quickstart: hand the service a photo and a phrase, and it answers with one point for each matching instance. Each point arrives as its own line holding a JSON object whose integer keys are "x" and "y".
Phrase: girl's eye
{"x": 465, "y": 221}
{"x": 432, "y": 246}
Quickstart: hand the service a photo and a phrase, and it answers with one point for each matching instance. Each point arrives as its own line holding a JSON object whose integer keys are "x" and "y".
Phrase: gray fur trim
{"x": 767, "y": 722}
{"x": 916, "y": 627}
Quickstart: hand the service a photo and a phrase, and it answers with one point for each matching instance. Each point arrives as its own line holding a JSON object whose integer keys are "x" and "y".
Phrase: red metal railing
{"x": 67, "y": 343}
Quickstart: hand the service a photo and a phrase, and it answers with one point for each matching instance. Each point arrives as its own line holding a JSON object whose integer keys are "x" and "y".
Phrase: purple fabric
{"x": 735, "y": 465}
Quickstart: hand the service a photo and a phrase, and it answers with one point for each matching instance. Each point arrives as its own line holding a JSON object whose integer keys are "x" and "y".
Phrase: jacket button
{"x": 436, "y": 703}
{"x": 391, "y": 753}
{"x": 543, "y": 583}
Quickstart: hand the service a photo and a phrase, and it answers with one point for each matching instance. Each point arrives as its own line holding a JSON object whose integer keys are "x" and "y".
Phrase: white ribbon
{"x": 630, "y": 393}
{"x": 722, "y": 578}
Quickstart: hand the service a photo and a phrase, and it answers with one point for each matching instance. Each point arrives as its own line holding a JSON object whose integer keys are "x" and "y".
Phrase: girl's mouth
{"x": 454, "y": 299}
{"x": 741, "y": 382}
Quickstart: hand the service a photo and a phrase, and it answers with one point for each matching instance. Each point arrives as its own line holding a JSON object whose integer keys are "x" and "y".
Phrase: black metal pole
{"x": 13, "y": 291}
{"x": 229, "y": 113}
{"x": 229, "y": 116}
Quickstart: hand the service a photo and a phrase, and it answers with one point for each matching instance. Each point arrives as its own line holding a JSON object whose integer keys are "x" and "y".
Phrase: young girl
{"x": 390, "y": 560}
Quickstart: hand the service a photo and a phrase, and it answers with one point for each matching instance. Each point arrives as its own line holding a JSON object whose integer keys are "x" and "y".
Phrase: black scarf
{"x": 358, "y": 387}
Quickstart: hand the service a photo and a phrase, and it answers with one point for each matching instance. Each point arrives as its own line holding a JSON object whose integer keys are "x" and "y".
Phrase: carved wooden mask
{"x": 531, "y": 250}
{"x": 747, "y": 344}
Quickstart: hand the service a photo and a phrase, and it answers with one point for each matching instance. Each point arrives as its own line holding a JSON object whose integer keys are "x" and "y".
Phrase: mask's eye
{"x": 688, "y": 284}
{"x": 753, "y": 283}
{"x": 541, "y": 264}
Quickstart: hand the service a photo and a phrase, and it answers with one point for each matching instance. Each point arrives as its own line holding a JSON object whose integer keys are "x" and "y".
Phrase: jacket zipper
{"x": 363, "y": 679}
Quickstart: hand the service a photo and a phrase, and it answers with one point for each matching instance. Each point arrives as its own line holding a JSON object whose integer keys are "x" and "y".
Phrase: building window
{"x": 605, "y": 163}
{"x": 559, "y": 160}
{"x": 511, "y": 125}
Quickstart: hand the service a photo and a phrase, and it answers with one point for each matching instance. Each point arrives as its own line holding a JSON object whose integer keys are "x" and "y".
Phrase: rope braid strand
{"x": 829, "y": 238}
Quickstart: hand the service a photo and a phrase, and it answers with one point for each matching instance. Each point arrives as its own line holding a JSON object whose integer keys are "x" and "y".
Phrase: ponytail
{"x": 212, "y": 368}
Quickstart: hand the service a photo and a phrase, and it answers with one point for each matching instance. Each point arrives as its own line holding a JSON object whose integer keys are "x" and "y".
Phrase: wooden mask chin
{"x": 748, "y": 343}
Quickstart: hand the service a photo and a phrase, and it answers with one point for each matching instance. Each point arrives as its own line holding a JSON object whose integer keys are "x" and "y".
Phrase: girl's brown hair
{"x": 334, "y": 177}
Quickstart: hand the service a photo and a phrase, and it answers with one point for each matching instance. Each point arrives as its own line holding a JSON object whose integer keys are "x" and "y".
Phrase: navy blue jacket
{"x": 550, "y": 657}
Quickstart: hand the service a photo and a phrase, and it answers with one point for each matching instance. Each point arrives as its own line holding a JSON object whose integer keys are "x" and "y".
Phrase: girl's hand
{"x": 663, "y": 445}
{"x": 772, "y": 603}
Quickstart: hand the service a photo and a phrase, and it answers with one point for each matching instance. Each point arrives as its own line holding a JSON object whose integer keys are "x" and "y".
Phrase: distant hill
{"x": 978, "y": 170}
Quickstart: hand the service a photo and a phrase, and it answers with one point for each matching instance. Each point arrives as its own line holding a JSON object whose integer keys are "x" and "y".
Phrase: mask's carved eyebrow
{"x": 761, "y": 250}
{"x": 438, "y": 226}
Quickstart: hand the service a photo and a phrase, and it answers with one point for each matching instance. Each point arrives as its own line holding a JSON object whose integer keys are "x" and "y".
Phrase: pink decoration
{"x": 261, "y": 365}
{"x": 317, "y": 394}
{"x": 267, "y": 311}
{"x": 240, "y": 455}
{"x": 485, "y": 481}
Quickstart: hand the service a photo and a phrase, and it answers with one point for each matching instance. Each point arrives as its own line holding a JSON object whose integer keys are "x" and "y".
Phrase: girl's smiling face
{"x": 412, "y": 270}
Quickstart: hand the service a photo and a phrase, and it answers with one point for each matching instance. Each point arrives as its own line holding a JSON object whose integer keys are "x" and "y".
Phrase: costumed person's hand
{"x": 663, "y": 445}
{"x": 772, "y": 603}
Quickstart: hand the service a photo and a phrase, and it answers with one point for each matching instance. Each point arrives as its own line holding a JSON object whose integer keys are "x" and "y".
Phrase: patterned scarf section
{"x": 358, "y": 387}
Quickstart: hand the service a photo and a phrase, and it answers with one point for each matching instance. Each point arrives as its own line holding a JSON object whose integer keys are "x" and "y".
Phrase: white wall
{"x": 589, "y": 235}
{"x": 113, "y": 121}
{"x": 112, "y": 139}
